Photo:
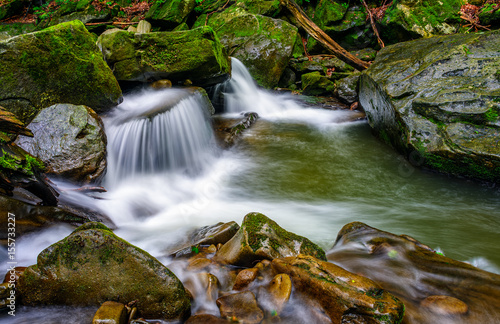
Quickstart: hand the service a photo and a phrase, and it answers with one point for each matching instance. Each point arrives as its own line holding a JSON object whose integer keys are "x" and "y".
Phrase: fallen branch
{"x": 372, "y": 22}
{"x": 111, "y": 23}
{"x": 312, "y": 29}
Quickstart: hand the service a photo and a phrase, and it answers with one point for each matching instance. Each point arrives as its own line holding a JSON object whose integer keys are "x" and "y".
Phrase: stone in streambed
{"x": 245, "y": 277}
{"x": 240, "y": 307}
{"x": 71, "y": 142}
{"x": 445, "y": 305}
{"x": 275, "y": 296}
{"x": 342, "y": 294}
{"x": 206, "y": 319}
{"x": 92, "y": 265}
{"x": 111, "y": 312}
{"x": 261, "y": 238}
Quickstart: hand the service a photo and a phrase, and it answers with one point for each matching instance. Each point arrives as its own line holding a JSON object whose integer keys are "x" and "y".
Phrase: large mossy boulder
{"x": 263, "y": 44}
{"x": 434, "y": 288}
{"x": 436, "y": 100}
{"x": 170, "y": 14}
{"x": 194, "y": 54}
{"x": 345, "y": 297}
{"x": 58, "y": 64}
{"x": 261, "y": 238}
{"x": 93, "y": 265}
{"x": 70, "y": 140}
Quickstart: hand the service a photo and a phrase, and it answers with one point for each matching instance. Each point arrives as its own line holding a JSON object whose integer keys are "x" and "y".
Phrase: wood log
{"x": 312, "y": 29}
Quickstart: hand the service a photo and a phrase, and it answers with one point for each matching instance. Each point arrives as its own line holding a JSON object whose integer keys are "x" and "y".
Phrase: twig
{"x": 372, "y": 22}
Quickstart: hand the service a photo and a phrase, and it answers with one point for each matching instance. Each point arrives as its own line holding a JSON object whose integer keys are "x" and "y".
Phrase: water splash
{"x": 159, "y": 131}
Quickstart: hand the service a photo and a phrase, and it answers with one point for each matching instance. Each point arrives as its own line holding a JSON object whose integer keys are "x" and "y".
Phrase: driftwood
{"x": 312, "y": 29}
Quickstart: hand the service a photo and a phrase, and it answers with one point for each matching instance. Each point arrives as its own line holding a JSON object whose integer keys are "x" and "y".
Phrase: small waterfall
{"x": 159, "y": 131}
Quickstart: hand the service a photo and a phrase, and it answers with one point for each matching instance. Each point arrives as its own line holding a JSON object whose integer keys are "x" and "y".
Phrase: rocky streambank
{"x": 259, "y": 272}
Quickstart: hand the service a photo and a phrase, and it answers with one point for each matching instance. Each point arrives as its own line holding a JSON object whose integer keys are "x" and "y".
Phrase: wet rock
{"x": 263, "y": 44}
{"x": 199, "y": 264}
{"x": 435, "y": 100}
{"x": 161, "y": 84}
{"x": 245, "y": 277}
{"x": 111, "y": 312}
{"x": 206, "y": 319}
{"x": 11, "y": 125}
{"x": 170, "y": 14}
{"x": 92, "y": 265}
{"x": 274, "y": 297}
{"x": 261, "y": 238}
{"x": 315, "y": 84}
{"x": 445, "y": 305}
{"x": 57, "y": 64}
{"x": 347, "y": 88}
{"x": 228, "y": 131}
{"x": 240, "y": 307}
{"x": 342, "y": 294}
{"x": 413, "y": 271}
{"x": 194, "y": 54}
{"x": 71, "y": 142}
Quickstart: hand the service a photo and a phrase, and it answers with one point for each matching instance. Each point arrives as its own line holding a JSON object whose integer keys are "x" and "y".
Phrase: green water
{"x": 346, "y": 174}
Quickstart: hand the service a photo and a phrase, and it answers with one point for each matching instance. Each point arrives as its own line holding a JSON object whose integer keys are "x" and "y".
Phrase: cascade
{"x": 159, "y": 131}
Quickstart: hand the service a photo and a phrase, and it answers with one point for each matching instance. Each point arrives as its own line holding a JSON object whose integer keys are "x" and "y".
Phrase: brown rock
{"x": 161, "y": 84}
{"x": 279, "y": 291}
{"x": 245, "y": 277}
{"x": 198, "y": 264}
{"x": 338, "y": 291}
{"x": 110, "y": 312}
{"x": 240, "y": 307}
{"x": 206, "y": 319}
{"x": 445, "y": 305}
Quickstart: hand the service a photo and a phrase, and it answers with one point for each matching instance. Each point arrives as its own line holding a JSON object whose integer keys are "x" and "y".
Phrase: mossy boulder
{"x": 345, "y": 297}
{"x": 315, "y": 84}
{"x": 263, "y": 44}
{"x": 93, "y": 265}
{"x": 170, "y": 14}
{"x": 194, "y": 54}
{"x": 58, "y": 64}
{"x": 14, "y": 29}
{"x": 432, "y": 286}
{"x": 329, "y": 12}
{"x": 411, "y": 19}
{"x": 436, "y": 101}
{"x": 261, "y": 238}
{"x": 347, "y": 88}
{"x": 71, "y": 142}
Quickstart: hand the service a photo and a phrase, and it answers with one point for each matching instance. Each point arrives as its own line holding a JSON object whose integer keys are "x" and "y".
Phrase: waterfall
{"x": 159, "y": 131}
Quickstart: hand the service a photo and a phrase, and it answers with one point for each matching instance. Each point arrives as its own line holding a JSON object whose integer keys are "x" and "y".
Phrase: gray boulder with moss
{"x": 194, "y": 54}
{"x": 263, "y": 44}
{"x": 170, "y": 14}
{"x": 58, "y": 64}
{"x": 93, "y": 265}
{"x": 259, "y": 237}
{"x": 70, "y": 140}
{"x": 436, "y": 101}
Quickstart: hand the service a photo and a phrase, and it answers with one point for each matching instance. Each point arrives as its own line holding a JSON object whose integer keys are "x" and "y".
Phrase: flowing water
{"x": 310, "y": 170}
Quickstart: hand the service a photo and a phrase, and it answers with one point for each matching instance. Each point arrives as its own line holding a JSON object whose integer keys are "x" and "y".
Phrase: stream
{"x": 311, "y": 170}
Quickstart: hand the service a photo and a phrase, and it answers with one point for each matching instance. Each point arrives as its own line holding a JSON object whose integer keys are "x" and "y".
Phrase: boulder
{"x": 344, "y": 296}
{"x": 70, "y": 140}
{"x": 347, "y": 88}
{"x": 263, "y": 44}
{"x": 435, "y": 100}
{"x": 58, "y": 64}
{"x": 93, "y": 265}
{"x": 170, "y": 14}
{"x": 194, "y": 54}
{"x": 315, "y": 84}
{"x": 261, "y": 238}
{"x": 432, "y": 286}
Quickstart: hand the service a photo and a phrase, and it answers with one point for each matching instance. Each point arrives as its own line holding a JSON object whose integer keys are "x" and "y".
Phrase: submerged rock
{"x": 261, "y": 238}
{"x": 194, "y": 54}
{"x": 58, "y": 64}
{"x": 432, "y": 286}
{"x": 93, "y": 265}
{"x": 344, "y": 296}
{"x": 241, "y": 307}
{"x": 262, "y": 43}
{"x": 70, "y": 140}
{"x": 436, "y": 101}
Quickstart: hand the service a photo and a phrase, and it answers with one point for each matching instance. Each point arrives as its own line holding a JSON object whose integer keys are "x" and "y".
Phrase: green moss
{"x": 25, "y": 164}
{"x": 491, "y": 115}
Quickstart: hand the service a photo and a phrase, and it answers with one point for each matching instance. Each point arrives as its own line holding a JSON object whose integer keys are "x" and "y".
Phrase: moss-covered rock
{"x": 195, "y": 54}
{"x": 436, "y": 100}
{"x": 261, "y": 238}
{"x": 14, "y": 29}
{"x": 93, "y": 265}
{"x": 410, "y": 19}
{"x": 345, "y": 297}
{"x": 315, "y": 84}
{"x": 71, "y": 142}
{"x": 170, "y": 14}
{"x": 262, "y": 43}
{"x": 347, "y": 88}
{"x": 59, "y": 64}
{"x": 329, "y": 12}
{"x": 419, "y": 276}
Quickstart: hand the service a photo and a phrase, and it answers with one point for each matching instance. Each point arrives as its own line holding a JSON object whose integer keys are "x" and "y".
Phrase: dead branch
{"x": 372, "y": 22}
